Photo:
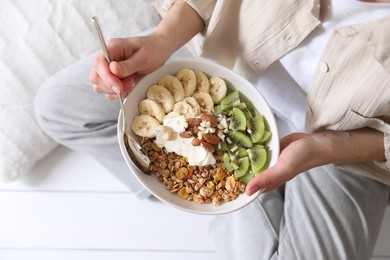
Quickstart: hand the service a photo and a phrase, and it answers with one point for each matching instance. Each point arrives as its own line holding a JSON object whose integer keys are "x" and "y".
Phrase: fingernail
{"x": 251, "y": 190}
{"x": 255, "y": 189}
{"x": 116, "y": 89}
{"x": 110, "y": 96}
{"x": 95, "y": 88}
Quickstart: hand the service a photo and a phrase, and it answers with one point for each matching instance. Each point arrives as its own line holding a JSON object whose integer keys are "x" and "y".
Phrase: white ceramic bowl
{"x": 234, "y": 81}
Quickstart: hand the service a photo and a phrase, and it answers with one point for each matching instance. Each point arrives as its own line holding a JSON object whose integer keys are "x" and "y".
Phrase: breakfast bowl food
{"x": 207, "y": 132}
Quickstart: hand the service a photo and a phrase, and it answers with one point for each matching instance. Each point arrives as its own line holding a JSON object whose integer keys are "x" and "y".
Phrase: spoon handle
{"x": 101, "y": 38}
{"x": 107, "y": 56}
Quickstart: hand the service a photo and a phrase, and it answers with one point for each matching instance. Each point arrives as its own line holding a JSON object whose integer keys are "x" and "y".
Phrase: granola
{"x": 202, "y": 184}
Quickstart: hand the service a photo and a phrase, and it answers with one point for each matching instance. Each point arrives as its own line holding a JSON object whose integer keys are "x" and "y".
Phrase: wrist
{"x": 166, "y": 42}
{"x": 179, "y": 25}
{"x": 352, "y": 146}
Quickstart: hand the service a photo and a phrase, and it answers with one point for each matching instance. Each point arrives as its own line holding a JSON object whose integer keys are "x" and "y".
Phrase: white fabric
{"x": 37, "y": 39}
{"x": 289, "y": 99}
{"x": 302, "y": 61}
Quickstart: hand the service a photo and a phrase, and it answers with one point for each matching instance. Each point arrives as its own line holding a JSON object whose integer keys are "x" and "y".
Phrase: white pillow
{"x": 37, "y": 39}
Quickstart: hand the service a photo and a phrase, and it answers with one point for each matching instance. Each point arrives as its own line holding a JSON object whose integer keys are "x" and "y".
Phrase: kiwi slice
{"x": 247, "y": 113}
{"x": 244, "y": 109}
{"x": 241, "y": 152}
{"x": 243, "y": 166}
{"x": 247, "y": 177}
{"x": 230, "y": 101}
{"x": 265, "y": 137}
{"x": 258, "y": 157}
{"x": 265, "y": 167}
{"x": 242, "y": 105}
{"x": 256, "y": 128}
{"x": 249, "y": 105}
{"x": 240, "y": 139}
{"x": 217, "y": 110}
{"x": 237, "y": 120}
{"x": 227, "y": 161}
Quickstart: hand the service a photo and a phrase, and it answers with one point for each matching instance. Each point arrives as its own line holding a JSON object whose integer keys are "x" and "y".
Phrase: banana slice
{"x": 205, "y": 101}
{"x": 174, "y": 86}
{"x": 194, "y": 104}
{"x": 202, "y": 82}
{"x": 185, "y": 109}
{"x": 152, "y": 108}
{"x": 188, "y": 79}
{"x": 163, "y": 133}
{"x": 145, "y": 126}
{"x": 162, "y": 96}
{"x": 218, "y": 89}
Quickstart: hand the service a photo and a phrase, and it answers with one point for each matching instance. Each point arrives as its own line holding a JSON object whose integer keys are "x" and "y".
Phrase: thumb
{"x": 136, "y": 63}
{"x": 267, "y": 181}
{"x": 122, "y": 69}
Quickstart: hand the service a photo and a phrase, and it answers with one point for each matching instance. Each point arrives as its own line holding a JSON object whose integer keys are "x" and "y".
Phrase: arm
{"x": 301, "y": 152}
{"x": 134, "y": 56}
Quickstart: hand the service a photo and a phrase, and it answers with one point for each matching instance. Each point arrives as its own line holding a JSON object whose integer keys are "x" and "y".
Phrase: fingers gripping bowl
{"x": 227, "y": 155}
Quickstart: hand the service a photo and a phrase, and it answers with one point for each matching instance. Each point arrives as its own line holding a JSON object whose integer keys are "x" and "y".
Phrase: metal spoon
{"x": 137, "y": 154}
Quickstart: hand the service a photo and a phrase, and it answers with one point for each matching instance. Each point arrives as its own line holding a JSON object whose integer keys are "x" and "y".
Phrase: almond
{"x": 196, "y": 141}
{"x": 192, "y": 122}
{"x": 207, "y": 117}
{"x": 207, "y": 146}
{"x": 196, "y": 130}
{"x": 212, "y": 139}
{"x": 186, "y": 134}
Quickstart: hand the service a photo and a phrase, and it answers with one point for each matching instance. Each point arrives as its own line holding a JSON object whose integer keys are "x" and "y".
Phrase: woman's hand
{"x": 131, "y": 58}
{"x": 301, "y": 152}
{"x": 134, "y": 57}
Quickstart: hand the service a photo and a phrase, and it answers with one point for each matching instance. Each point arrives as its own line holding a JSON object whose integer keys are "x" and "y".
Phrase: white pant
{"x": 326, "y": 213}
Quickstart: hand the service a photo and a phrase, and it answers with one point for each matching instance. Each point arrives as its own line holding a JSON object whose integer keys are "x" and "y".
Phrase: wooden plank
{"x": 110, "y": 221}
{"x": 66, "y": 170}
{"x": 103, "y": 255}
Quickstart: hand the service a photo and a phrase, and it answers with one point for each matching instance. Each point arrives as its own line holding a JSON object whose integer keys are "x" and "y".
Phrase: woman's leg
{"x": 326, "y": 214}
{"x": 71, "y": 113}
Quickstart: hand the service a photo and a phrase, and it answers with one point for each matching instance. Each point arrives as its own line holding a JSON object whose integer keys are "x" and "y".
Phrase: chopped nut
{"x": 230, "y": 183}
{"x": 216, "y": 201}
{"x": 198, "y": 199}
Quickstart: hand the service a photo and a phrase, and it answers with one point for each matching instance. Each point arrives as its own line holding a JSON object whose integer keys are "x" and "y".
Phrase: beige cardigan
{"x": 351, "y": 86}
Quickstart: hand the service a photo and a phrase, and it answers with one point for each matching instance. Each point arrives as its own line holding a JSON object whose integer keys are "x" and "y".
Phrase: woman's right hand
{"x": 131, "y": 58}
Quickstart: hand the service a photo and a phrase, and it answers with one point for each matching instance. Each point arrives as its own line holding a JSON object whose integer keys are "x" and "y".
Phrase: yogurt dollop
{"x": 196, "y": 155}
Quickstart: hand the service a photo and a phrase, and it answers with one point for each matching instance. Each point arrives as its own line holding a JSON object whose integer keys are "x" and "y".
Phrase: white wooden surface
{"x": 69, "y": 207}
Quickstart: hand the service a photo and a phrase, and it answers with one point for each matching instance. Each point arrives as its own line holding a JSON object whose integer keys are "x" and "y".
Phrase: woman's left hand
{"x": 301, "y": 152}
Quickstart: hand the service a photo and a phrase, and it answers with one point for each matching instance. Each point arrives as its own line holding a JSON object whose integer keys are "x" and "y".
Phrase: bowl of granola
{"x": 207, "y": 132}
